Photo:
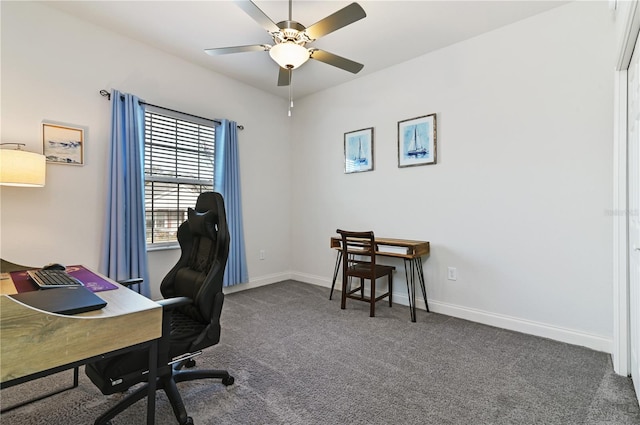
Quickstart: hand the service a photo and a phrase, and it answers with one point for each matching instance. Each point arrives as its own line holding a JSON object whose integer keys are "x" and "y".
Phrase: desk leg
{"x": 415, "y": 264}
{"x": 151, "y": 389}
{"x": 411, "y": 287}
{"x": 75, "y": 376}
{"x": 42, "y": 397}
{"x": 335, "y": 273}
{"x": 420, "y": 270}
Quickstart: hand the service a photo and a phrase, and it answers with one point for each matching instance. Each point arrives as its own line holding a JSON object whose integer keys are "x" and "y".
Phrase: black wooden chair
{"x": 359, "y": 261}
{"x": 191, "y": 315}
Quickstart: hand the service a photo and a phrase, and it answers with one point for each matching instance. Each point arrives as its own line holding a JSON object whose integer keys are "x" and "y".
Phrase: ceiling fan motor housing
{"x": 291, "y": 32}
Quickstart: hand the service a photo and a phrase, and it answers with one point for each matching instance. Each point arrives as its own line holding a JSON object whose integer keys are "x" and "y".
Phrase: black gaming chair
{"x": 191, "y": 315}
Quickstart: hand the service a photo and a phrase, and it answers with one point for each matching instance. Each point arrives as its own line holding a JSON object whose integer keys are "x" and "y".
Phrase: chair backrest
{"x": 357, "y": 248}
{"x": 204, "y": 241}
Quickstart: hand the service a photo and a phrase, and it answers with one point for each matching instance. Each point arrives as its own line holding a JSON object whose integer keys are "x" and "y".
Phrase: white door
{"x": 633, "y": 214}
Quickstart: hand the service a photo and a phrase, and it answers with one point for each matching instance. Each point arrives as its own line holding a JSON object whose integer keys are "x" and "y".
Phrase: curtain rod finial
{"x": 105, "y": 94}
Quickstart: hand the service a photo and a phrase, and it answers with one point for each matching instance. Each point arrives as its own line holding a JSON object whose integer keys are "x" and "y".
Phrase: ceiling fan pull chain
{"x": 290, "y": 96}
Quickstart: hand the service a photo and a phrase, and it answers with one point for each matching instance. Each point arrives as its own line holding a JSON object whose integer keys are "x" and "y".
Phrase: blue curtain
{"x": 227, "y": 183}
{"x": 125, "y": 251}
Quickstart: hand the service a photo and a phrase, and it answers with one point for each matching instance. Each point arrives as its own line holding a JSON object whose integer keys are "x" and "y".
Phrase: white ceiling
{"x": 392, "y": 32}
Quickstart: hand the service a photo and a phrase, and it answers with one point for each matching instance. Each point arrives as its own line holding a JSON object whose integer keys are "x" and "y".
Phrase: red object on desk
{"x": 91, "y": 281}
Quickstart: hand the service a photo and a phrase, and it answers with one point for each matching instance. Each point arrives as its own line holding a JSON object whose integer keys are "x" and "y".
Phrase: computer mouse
{"x": 54, "y": 266}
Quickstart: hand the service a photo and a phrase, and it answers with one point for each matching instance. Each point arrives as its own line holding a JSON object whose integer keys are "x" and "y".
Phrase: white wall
{"x": 519, "y": 197}
{"x": 53, "y": 66}
{"x": 517, "y": 202}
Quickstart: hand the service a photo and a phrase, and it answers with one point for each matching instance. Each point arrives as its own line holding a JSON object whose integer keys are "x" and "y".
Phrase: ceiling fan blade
{"x": 237, "y": 49}
{"x": 284, "y": 77}
{"x": 343, "y": 17}
{"x": 258, "y": 15}
{"x": 337, "y": 61}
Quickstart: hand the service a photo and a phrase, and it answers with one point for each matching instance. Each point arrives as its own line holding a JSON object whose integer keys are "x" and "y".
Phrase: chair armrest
{"x": 130, "y": 282}
{"x": 169, "y": 304}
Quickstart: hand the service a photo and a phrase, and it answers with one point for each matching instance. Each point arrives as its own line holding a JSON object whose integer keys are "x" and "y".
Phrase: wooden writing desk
{"x": 409, "y": 250}
{"x": 36, "y": 343}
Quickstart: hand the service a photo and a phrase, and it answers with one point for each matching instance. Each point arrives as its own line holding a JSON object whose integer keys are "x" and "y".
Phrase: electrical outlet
{"x": 452, "y": 273}
{"x": 262, "y": 254}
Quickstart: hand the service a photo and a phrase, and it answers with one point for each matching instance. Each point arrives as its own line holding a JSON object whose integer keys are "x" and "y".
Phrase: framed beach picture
{"x": 417, "y": 141}
{"x": 358, "y": 151}
{"x": 63, "y": 144}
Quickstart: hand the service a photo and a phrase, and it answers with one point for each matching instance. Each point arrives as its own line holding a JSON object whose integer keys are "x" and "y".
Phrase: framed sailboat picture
{"x": 358, "y": 151}
{"x": 417, "y": 141}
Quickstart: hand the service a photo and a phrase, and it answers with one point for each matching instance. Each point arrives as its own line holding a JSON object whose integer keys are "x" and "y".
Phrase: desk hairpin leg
{"x": 411, "y": 287}
{"x": 49, "y": 394}
{"x": 335, "y": 273}
{"x": 151, "y": 389}
{"x": 418, "y": 264}
{"x": 415, "y": 267}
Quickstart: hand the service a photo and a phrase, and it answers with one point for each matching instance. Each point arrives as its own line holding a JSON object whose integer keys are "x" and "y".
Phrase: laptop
{"x": 67, "y": 300}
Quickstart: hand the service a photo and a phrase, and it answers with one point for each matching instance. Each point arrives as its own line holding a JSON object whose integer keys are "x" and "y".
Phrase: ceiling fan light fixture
{"x": 289, "y": 55}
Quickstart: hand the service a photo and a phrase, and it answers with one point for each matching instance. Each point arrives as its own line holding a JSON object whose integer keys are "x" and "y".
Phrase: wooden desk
{"x": 410, "y": 251}
{"x": 36, "y": 343}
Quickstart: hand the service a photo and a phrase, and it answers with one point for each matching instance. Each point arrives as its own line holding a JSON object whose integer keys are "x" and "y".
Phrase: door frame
{"x": 621, "y": 344}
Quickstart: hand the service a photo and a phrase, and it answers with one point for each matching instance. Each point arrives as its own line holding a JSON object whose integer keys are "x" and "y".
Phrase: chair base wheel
{"x": 228, "y": 381}
{"x": 189, "y": 421}
{"x": 190, "y": 363}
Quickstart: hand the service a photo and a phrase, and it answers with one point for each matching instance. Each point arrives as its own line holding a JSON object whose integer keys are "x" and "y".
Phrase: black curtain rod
{"x": 106, "y": 94}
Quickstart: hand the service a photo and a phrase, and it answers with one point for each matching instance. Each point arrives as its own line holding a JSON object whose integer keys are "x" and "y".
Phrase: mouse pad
{"x": 92, "y": 281}
{"x": 71, "y": 300}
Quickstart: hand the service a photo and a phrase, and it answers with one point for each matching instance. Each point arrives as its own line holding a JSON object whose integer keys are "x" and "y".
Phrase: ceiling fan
{"x": 290, "y": 38}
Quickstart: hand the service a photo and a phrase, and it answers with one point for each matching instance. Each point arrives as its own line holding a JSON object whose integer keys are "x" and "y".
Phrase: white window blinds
{"x": 179, "y": 165}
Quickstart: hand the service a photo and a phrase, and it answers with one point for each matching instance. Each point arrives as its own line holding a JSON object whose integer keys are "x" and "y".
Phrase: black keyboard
{"x": 53, "y": 278}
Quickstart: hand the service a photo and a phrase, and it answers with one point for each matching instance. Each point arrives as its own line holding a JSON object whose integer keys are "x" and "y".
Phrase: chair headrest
{"x": 202, "y": 223}
{"x": 208, "y": 201}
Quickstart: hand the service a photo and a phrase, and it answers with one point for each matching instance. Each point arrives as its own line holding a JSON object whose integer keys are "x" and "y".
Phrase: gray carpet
{"x": 299, "y": 359}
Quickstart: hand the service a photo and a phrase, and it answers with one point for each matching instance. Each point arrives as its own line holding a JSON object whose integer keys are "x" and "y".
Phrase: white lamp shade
{"x": 289, "y": 55}
{"x": 21, "y": 168}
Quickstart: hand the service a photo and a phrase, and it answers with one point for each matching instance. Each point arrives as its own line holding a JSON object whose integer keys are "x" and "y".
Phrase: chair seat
{"x": 184, "y": 331}
{"x": 363, "y": 270}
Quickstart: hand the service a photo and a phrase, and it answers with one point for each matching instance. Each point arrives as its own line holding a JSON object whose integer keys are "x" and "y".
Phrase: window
{"x": 178, "y": 166}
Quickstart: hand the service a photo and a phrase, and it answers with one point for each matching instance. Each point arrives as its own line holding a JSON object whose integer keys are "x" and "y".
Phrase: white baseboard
{"x": 314, "y": 280}
{"x": 570, "y": 336}
{"x": 256, "y": 283}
